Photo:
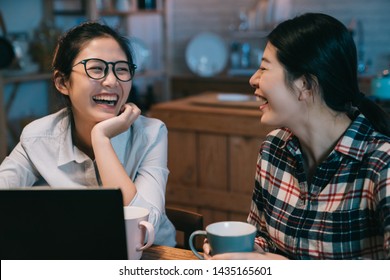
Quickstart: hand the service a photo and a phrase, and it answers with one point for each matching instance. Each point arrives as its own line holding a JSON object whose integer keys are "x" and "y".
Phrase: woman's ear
{"x": 304, "y": 88}
{"x": 60, "y": 84}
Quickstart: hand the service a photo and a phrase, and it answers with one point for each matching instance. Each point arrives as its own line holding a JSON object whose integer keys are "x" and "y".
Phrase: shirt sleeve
{"x": 152, "y": 176}
{"x": 150, "y": 181}
{"x": 17, "y": 170}
{"x": 257, "y": 216}
{"x": 383, "y": 202}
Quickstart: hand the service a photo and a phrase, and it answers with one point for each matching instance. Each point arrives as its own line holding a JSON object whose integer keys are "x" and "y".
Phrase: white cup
{"x": 136, "y": 221}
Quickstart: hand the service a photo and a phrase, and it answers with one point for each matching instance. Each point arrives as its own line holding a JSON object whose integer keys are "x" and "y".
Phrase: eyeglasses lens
{"x": 97, "y": 69}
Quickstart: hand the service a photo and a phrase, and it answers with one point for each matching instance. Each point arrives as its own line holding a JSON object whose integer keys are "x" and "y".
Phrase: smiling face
{"x": 96, "y": 100}
{"x": 279, "y": 103}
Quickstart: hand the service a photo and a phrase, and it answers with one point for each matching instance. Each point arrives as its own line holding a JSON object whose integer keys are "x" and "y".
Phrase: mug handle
{"x": 150, "y": 229}
{"x": 191, "y": 241}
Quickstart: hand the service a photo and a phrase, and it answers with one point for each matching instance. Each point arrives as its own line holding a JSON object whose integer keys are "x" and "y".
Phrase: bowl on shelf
{"x": 141, "y": 52}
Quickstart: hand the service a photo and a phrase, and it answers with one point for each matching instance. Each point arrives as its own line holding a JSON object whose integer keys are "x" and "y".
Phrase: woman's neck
{"x": 81, "y": 136}
{"x": 318, "y": 137}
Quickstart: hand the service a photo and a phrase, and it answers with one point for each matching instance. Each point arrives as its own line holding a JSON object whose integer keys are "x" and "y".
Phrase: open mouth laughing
{"x": 263, "y": 101}
{"x": 106, "y": 99}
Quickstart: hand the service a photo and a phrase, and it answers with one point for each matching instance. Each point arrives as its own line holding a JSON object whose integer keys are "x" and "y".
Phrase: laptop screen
{"x": 64, "y": 224}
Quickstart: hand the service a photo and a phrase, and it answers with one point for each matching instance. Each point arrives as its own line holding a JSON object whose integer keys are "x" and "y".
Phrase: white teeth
{"x": 106, "y": 98}
{"x": 262, "y": 100}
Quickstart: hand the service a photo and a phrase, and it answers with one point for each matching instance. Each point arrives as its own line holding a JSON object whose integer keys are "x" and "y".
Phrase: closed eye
{"x": 123, "y": 70}
{"x": 96, "y": 69}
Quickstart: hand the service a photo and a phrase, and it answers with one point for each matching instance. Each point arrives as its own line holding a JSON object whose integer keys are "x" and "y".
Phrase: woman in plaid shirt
{"x": 322, "y": 184}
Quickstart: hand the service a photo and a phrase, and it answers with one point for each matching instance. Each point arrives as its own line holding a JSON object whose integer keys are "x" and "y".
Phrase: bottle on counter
{"x": 245, "y": 55}
{"x": 235, "y": 56}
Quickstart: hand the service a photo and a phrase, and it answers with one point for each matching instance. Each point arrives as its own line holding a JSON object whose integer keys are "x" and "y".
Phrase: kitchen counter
{"x": 189, "y": 85}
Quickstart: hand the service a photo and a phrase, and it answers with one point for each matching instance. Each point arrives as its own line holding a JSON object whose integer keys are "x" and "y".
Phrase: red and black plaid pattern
{"x": 343, "y": 214}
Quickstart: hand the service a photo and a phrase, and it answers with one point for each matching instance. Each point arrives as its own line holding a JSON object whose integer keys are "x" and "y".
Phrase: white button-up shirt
{"x": 46, "y": 156}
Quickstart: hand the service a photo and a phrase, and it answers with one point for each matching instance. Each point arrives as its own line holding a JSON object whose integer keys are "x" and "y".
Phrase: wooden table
{"x": 157, "y": 252}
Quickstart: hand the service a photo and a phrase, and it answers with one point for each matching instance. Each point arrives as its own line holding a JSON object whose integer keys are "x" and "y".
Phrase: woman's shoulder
{"x": 148, "y": 124}
{"x": 378, "y": 143}
{"x": 364, "y": 134}
{"x": 279, "y": 135}
{"x": 144, "y": 129}
{"x": 49, "y": 126}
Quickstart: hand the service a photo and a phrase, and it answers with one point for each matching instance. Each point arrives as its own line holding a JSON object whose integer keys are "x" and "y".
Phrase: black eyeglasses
{"x": 98, "y": 69}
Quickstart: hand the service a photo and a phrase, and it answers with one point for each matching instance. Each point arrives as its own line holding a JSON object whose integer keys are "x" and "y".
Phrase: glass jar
{"x": 147, "y": 4}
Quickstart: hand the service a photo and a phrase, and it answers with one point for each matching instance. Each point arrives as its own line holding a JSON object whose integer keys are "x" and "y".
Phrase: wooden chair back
{"x": 186, "y": 222}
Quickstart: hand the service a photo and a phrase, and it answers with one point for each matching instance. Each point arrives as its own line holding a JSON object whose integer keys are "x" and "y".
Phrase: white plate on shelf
{"x": 141, "y": 53}
{"x": 206, "y": 54}
{"x": 234, "y": 97}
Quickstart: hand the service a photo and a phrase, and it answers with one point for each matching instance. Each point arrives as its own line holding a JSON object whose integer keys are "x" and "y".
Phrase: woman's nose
{"x": 110, "y": 77}
{"x": 254, "y": 80}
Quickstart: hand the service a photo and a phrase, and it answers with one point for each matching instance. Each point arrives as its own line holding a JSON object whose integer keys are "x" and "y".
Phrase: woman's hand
{"x": 116, "y": 125}
{"x": 111, "y": 171}
{"x": 257, "y": 254}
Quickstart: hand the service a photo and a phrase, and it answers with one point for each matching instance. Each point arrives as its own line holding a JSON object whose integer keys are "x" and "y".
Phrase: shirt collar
{"x": 354, "y": 142}
{"x": 67, "y": 152}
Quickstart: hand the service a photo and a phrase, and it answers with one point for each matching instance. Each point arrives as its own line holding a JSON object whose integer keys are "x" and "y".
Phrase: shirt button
{"x": 301, "y": 203}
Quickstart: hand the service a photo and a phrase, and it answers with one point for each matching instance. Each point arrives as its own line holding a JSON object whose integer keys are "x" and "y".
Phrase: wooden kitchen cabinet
{"x": 212, "y": 153}
{"x": 189, "y": 85}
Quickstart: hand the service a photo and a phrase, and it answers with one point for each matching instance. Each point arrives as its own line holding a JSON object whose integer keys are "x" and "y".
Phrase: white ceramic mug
{"x": 225, "y": 237}
{"x": 136, "y": 221}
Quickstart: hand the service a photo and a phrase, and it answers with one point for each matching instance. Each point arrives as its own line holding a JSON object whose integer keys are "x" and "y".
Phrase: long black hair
{"x": 318, "y": 46}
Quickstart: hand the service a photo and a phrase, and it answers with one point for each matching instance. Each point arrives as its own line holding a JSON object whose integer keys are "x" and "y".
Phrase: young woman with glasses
{"x": 98, "y": 139}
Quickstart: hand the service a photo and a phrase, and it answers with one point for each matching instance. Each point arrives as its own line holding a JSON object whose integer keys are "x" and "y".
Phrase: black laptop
{"x": 62, "y": 224}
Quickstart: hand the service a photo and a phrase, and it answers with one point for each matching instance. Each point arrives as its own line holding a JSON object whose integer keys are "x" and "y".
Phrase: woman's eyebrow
{"x": 265, "y": 59}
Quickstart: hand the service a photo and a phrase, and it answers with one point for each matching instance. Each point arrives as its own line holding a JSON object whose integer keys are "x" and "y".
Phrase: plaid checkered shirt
{"x": 343, "y": 214}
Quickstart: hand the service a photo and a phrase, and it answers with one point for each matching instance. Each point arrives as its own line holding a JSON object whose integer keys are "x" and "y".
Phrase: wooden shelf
{"x": 249, "y": 34}
{"x": 114, "y": 13}
{"x": 68, "y": 13}
{"x": 21, "y": 78}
